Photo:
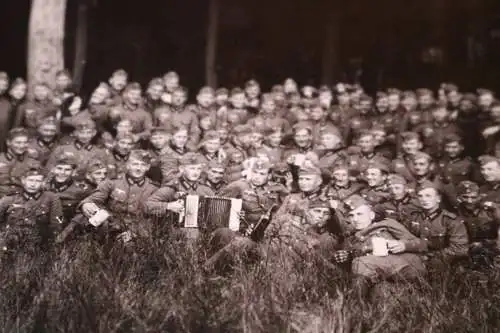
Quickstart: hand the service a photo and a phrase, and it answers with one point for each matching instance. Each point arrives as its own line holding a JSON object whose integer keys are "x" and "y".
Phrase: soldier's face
{"x": 47, "y": 132}
{"x": 429, "y": 199}
{"x": 440, "y": 114}
{"x": 466, "y": 105}
{"x": 382, "y": 104}
{"x": 171, "y": 83}
{"x": 205, "y": 99}
{"x": 118, "y": 82}
{"x": 159, "y": 140}
{"x": 316, "y": 113}
{"x": 257, "y": 139}
{"x": 341, "y": 177}
{"x": 268, "y": 105}
{"x": 495, "y": 113}
{"x": 137, "y": 168}
{"x": 41, "y": 92}
{"x": 18, "y": 145}
{"x": 252, "y": 91}
{"x": 63, "y": 81}
{"x": 259, "y": 177}
{"x": 490, "y": 171}
{"x": 124, "y": 146}
{"x": 192, "y": 172}
{"x": 215, "y": 175}
{"x": 409, "y": 103}
{"x": 325, "y": 99}
{"x": 309, "y": 183}
{"x": 124, "y": 126}
{"x": 32, "y": 184}
{"x": 237, "y": 158}
{"x": 361, "y": 217}
{"x": 425, "y": 101}
{"x": 393, "y": 101}
{"x": 212, "y": 146}
{"x": 134, "y": 96}
{"x": 221, "y": 99}
{"x": 397, "y": 191}
{"x": 374, "y": 177}
{"x": 469, "y": 200}
{"x": 290, "y": 86}
{"x": 275, "y": 138}
{"x": 485, "y": 100}
{"x": 379, "y": 137}
{"x": 155, "y": 91}
{"x": 180, "y": 138}
{"x": 329, "y": 140}
{"x": 206, "y": 123}
{"x": 18, "y": 91}
{"x": 179, "y": 98}
{"x": 302, "y": 138}
{"x": 63, "y": 173}
{"x": 98, "y": 176}
{"x": 85, "y": 135}
{"x": 453, "y": 149}
{"x": 318, "y": 216}
{"x": 366, "y": 143}
{"x": 4, "y": 85}
{"x": 294, "y": 100}
{"x": 223, "y": 134}
{"x": 410, "y": 147}
{"x": 279, "y": 97}
{"x": 99, "y": 95}
{"x": 365, "y": 106}
{"x": 454, "y": 97}
{"x": 343, "y": 99}
{"x": 421, "y": 167}
{"x": 238, "y": 100}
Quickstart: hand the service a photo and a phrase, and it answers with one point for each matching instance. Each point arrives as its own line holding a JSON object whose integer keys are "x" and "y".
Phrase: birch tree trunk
{"x": 80, "y": 45}
{"x": 211, "y": 46}
{"x": 46, "y": 40}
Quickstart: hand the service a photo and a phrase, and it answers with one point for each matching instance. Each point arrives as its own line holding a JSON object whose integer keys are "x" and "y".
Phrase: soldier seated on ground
{"x": 377, "y": 251}
{"x": 289, "y": 237}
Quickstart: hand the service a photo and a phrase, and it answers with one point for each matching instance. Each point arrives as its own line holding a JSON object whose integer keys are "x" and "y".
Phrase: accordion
{"x": 211, "y": 212}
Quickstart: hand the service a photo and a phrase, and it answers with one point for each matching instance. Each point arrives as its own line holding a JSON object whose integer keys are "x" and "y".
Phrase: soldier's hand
{"x": 176, "y": 206}
{"x": 89, "y": 209}
{"x": 396, "y": 246}
{"x": 341, "y": 256}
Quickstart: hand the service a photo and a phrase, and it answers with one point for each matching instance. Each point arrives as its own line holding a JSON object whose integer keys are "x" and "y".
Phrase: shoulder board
{"x": 449, "y": 214}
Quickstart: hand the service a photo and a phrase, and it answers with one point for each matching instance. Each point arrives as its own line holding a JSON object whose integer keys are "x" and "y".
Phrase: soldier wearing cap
{"x": 210, "y": 148}
{"x": 385, "y": 145}
{"x": 482, "y": 219}
{"x": 442, "y": 234}
{"x": 490, "y": 171}
{"x": 401, "y": 201}
{"x": 119, "y": 155}
{"x": 221, "y": 98}
{"x": 375, "y": 176}
{"x": 155, "y": 90}
{"x": 82, "y": 146}
{"x": 412, "y": 117}
{"x": 125, "y": 199}
{"x": 252, "y": 92}
{"x": 15, "y": 161}
{"x": 331, "y": 149}
{"x": 46, "y": 139}
{"x": 272, "y": 146}
{"x": 423, "y": 169}
{"x": 159, "y": 144}
{"x": 267, "y": 117}
{"x": 360, "y": 122}
{"x": 177, "y": 115}
{"x": 237, "y": 112}
{"x": 239, "y": 140}
{"x": 410, "y": 145}
{"x": 364, "y": 154}
{"x": 117, "y": 82}
{"x": 395, "y": 259}
{"x": 425, "y": 99}
{"x": 96, "y": 173}
{"x": 173, "y": 152}
{"x": 206, "y": 107}
{"x": 62, "y": 183}
{"x": 32, "y": 216}
{"x": 215, "y": 176}
{"x": 302, "y": 140}
{"x": 454, "y": 167}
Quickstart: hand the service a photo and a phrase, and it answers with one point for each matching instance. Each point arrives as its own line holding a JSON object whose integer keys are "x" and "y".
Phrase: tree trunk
{"x": 80, "y": 45}
{"x": 211, "y": 46}
{"x": 331, "y": 45}
{"x": 45, "y": 40}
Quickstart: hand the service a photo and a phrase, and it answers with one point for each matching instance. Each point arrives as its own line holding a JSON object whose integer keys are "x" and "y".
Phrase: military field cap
{"x": 242, "y": 129}
{"x": 133, "y": 86}
{"x": 211, "y": 135}
{"x": 340, "y": 88}
{"x": 330, "y": 129}
{"x": 309, "y": 168}
{"x": 50, "y": 120}
{"x": 157, "y": 81}
{"x": 141, "y": 155}
{"x": 467, "y": 187}
{"x": 396, "y": 179}
{"x": 120, "y": 72}
{"x": 409, "y": 94}
{"x": 267, "y": 97}
{"x": 324, "y": 89}
{"x": 17, "y": 81}
{"x": 277, "y": 89}
{"x": 252, "y": 83}
{"x": 216, "y": 164}
{"x": 343, "y": 165}
{"x": 206, "y": 90}
{"x": 171, "y": 75}
{"x": 487, "y": 159}
{"x": 191, "y": 159}
{"x": 34, "y": 170}
{"x": 317, "y": 203}
{"x": 236, "y": 91}
{"x": 95, "y": 165}
{"x": 484, "y": 91}
{"x": 452, "y": 137}
{"x": 85, "y": 123}
{"x": 67, "y": 158}
{"x": 381, "y": 94}
{"x": 178, "y": 127}
{"x": 424, "y": 91}
{"x": 394, "y": 91}
{"x": 354, "y": 202}
{"x": 407, "y": 136}
{"x": 261, "y": 164}
{"x": 378, "y": 128}
{"x": 470, "y": 97}
{"x": 449, "y": 87}
{"x": 379, "y": 165}
{"x": 125, "y": 136}
{"x": 4, "y": 76}
{"x": 363, "y": 133}
{"x": 421, "y": 156}
{"x": 302, "y": 125}
{"x": 159, "y": 130}
{"x": 222, "y": 91}
{"x": 18, "y": 131}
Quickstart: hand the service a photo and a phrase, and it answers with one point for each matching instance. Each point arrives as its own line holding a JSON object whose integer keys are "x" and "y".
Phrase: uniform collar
{"x": 440, "y": 125}
{"x": 190, "y": 185}
{"x": 80, "y": 146}
{"x": 433, "y": 215}
{"x": 338, "y": 187}
{"x": 31, "y": 196}
{"x": 130, "y": 107}
{"x": 369, "y": 156}
{"x": 311, "y": 195}
{"x": 305, "y": 149}
{"x": 137, "y": 182}
{"x": 42, "y": 143}
{"x": 470, "y": 213}
{"x": 10, "y": 156}
{"x": 120, "y": 157}
{"x": 176, "y": 149}
{"x": 60, "y": 187}
{"x": 214, "y": 185}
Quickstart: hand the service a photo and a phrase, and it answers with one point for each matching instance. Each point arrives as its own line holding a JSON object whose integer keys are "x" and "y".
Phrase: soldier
{"x": 171, "y": 82}
{"x": 252, "y": 92}
{"x": 125, "y": 199}
{"x": 425, "y": 100}
{"x": 272, "y": 146}
{"x": 364, "y": 153}
{"x": 257, "y": 192}
{"x": 482, "y": 219}
{"x": 397, "y": 257}
{"x": 302, "y": 141}
{"x": 62, "y": 183}
{"x": 32, "y": 216}
{"x": 490, "y": 171}
{"x": 118, "y": 81}
{"x": 215, "y": 176}
{"x": 360, "y": 122}
{"x": 96, "y": 173}
{"x": 237, "y": 112}
{"x": 118, "y": 157}
{"x": 17, "y": 97}
{"x": 206, "y": 105}
{"x": 15, "y": 161}
{"x": 331, "y": 149}
{"x": 158, "y": 143}
{"x": 210, "y": 148}
{"x": 410, "y": 145}
{"x": 422, "y": 169}
{"x": 401, "y": 202}
{"x": 152, "y": 100}
{"x": 267, "y": 117}
{"x": 221, "y": 98}
{"x": 375, "y": 176}
{"x": 177, "y": 115}
{"x": 454, "y": 167}
{"x": 172, "y": 153}
{"x": 442, "y": 234}
{"x": 132, "y": 110}
{"x": 45, "y": 141}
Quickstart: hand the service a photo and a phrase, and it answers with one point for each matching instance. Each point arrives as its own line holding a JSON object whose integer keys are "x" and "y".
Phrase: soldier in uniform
{"x": 118, "y": 81}
{"x": 490, "y": 171}
{"x": 362, "y": 121}
{"x": 482, "y": 219}
{"x": 442, "y": 234}
{"x": 15, "y": 161}
{"x": 403, "y": 164}
{"x": 401, "y": 202}
{"x": 30, "y": 217}
{"x": 159, "y": 141}
{"x": 119, "y": 155}
{"x": 267, "y": 117}
{"x": 172, "y": 154}
{"x": 125, "y": 199}
{"x": 364, "y": 154}
{"x": 375, "y": 176}
{"x": 96, "y": 173}
{"x": 272, "y": 147}
{"x": 206, "y": 107}
{"x": 454, "y": 167}
{"x": 45, "y": 141}
{"x": 215, "y": 176}
{"x": 152, "y": 100}
{"x": 331, "y": 149}
{"x": 210, "y": 148}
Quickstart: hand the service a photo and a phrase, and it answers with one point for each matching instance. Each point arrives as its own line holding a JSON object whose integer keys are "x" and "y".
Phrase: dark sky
{"x": 269, "y": 40}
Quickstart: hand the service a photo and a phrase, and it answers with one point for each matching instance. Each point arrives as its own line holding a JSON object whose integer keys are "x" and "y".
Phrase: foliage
{"x": 158, "y": 285}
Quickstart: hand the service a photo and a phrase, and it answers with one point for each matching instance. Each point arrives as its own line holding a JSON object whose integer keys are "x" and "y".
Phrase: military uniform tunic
{"x": 12, "y": 168}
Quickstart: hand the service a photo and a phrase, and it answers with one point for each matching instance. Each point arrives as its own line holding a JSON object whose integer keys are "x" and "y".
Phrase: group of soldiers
{"x": 387, "y": 186}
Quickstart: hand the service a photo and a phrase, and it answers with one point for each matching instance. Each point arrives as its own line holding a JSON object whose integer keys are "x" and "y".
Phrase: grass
{"x": 159, "y": 286}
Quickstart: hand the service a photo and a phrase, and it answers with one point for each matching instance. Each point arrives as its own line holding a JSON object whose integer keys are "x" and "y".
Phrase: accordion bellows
{"x": 211, "y": 212}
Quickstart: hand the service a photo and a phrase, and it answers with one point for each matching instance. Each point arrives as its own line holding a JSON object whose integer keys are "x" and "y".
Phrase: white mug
{"x": 379, "y": 246}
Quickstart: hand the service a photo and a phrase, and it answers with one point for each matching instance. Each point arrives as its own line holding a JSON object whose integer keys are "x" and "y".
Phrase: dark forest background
{"x": 274, "y": 39}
